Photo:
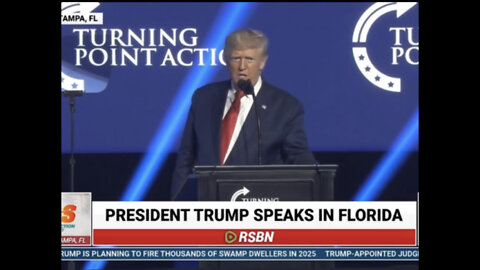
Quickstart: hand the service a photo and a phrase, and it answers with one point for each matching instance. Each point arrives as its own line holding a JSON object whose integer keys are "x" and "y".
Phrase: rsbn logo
{"x": 249, "y": 237}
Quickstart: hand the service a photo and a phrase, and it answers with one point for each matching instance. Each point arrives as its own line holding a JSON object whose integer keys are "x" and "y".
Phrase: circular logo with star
{"x": 359, "y": 39}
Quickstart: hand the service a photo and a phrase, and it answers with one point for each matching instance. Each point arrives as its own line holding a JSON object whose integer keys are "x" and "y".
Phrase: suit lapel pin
{"x": 264, "y": 106}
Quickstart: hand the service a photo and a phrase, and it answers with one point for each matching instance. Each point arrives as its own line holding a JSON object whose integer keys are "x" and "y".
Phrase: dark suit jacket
{"x": 281, "y": 124}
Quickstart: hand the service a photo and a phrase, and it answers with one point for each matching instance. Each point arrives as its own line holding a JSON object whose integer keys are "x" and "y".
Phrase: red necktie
{"x": 228, "y": 125}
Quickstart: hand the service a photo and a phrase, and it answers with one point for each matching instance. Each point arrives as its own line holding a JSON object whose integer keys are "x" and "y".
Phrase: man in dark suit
{"x": 209, "y": 140}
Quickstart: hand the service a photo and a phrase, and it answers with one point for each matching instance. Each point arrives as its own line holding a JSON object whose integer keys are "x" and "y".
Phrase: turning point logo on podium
{"x": 244, "y": 191}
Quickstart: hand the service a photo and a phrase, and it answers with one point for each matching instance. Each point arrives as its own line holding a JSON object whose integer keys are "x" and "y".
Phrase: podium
{"x": 266, "y": 183}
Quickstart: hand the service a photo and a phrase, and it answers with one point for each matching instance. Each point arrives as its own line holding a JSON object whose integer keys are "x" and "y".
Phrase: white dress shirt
{"x": 245, "y": 105}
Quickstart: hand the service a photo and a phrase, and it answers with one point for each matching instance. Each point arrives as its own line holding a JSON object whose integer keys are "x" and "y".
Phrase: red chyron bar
{"x": 256, "y": 237}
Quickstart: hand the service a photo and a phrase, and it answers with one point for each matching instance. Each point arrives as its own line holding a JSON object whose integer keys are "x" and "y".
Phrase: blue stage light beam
{"x": 390, "y": 163}
{"x": 230, "y": 16}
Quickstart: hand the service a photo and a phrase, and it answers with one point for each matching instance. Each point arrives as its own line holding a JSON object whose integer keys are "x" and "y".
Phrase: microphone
{"x": 247, "y": 87}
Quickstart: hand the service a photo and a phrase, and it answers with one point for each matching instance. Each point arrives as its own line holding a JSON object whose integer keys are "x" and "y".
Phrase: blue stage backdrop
{"x": 354, "y": 66}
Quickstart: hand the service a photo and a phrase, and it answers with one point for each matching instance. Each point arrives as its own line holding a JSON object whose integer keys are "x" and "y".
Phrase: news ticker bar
{"x": 240, "y": 253}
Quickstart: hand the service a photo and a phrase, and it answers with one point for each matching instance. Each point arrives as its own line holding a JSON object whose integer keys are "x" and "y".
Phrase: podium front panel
{"x": 265, "y": 183}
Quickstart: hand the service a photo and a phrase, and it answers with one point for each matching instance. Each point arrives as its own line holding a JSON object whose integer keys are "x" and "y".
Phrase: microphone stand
{"x": 72, "y": 95}
{"x": 72, "y": 158}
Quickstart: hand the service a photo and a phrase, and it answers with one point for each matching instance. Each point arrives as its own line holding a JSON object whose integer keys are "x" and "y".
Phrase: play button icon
{"x": 230, "y": 237}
